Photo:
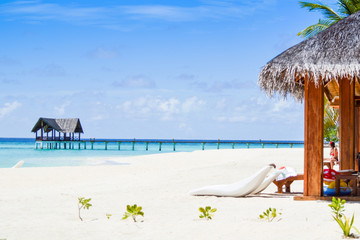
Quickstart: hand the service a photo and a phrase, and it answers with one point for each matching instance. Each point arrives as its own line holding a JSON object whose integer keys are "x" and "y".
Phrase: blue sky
{"x": 148, "y": 69}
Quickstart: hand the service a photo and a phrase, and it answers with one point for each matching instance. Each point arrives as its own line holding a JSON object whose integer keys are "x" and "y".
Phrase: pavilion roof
{"x": 328, "y": 57}
{"x": 64, "y": 125}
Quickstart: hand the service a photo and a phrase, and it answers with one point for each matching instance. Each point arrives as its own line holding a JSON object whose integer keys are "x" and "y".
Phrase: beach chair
{"x": 238, "y": 189}
{"x": 268, "y": 180}
{"x": 287, "y": 182}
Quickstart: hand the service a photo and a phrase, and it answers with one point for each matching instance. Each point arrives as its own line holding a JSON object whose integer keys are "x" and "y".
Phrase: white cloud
{"x": 60, "y": 110}
{"x": 50, "y": 70}
{"x": 138, "y": 81}
{"x": 281, "y": 106}
{"x": 112, "y": 16}
{"x": 164, "y": 108}
{"x": 192, "y": 104}
{"x": 103, "y": 53}
{"x": 8, "y": 108}
{"x": 261, "y": 110}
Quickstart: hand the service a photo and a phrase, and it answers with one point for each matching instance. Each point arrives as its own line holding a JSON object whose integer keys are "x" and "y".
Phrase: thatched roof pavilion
{"x": 326, "y": 64}
{"x": 66, "y": 126}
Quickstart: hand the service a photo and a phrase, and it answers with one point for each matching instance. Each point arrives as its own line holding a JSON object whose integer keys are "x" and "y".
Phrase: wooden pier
{"x": 89, "y": 144}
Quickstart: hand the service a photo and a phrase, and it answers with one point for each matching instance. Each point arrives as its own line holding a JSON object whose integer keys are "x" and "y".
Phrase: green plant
{"x": 207, "y": 212}
{"x": 345, "y": 224}
{"x": 83, "y": 204}
{"x": 270, "y": 214}
{"x": 133, "y": 211}
{"x": 345, "y": 8}
{"x": 108, "y": 215}
{"x": 337, "y": 206}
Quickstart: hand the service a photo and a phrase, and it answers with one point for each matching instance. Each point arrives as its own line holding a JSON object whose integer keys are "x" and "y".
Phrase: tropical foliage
{"x": 331, "y": 122}
{"x": 345, "y": 8}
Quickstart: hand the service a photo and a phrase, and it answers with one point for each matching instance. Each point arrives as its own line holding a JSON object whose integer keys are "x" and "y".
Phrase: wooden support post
{"x": 174, "y": 146}
{"x": 84, "y": 145}
{"x": 357, "y": 136}
{"x": 147, "y": 146}
{"x": 92, "y": 145}
{"x": 347, "y": 123}
{"x": 218, "y": 144}
{"x": 313, "y": 144}
{"x": 203, "y": 146}
{"x": 133, "y": 145}
{"x": 106, "y": 145}
{"x": 160, "y": 143}
{"x": 119, "y": 143}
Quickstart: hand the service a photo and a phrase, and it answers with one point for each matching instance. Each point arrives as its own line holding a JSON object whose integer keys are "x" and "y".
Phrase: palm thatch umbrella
{"x": 332, "y": 54}
{"x": 326, "y": 63}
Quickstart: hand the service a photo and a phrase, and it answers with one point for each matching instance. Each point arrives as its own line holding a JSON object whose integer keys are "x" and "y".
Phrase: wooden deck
{"x": 83, "y": 144}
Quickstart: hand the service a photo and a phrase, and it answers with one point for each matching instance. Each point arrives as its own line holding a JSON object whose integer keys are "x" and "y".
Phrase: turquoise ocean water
{"x": 13, "y": 150}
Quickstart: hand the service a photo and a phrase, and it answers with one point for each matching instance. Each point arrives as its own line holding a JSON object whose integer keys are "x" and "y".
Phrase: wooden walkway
{"x": 89, "y": 144}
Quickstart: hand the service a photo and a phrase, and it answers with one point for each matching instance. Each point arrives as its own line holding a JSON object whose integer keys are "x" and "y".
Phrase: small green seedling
{"x": 345, "y": 225}
{"x": 133, "y": 211}
{"x": 337, "y": 207}
{"x": 108, "y": 215}
{"x": 270, "y": 214}
{"x": 83, "y": 204}
{"x": 207, "y": 212}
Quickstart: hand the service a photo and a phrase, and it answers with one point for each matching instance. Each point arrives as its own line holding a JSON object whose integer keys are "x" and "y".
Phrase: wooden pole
{"x": 357, "y": 136}
{"x": 313, "y": 140}
{"x": 347, "y": 123}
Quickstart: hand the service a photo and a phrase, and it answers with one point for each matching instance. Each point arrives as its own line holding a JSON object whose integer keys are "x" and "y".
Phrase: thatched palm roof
{"x": 332, "y": 54}
{"x": 64, "y": 125}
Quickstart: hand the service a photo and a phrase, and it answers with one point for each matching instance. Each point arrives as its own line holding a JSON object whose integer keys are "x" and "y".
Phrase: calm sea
{"x": 12, "y": 150}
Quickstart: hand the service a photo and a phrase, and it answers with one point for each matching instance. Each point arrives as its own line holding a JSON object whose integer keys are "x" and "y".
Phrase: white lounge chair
{"x": 267, "y": 181}
{"x": 238, "y": 189}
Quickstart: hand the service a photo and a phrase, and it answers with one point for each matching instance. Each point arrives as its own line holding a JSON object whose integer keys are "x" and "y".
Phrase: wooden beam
{"x": 313, "y": 140}
{"x": 357, "y": 136}
{"x": 347, "y": 123}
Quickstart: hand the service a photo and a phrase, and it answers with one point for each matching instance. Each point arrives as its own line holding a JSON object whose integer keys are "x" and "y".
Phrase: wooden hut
{"x": 327, "y": 64}
{"x": 57, "y": 129}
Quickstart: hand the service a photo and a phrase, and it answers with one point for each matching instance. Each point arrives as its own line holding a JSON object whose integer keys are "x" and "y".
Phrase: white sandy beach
{"x": 41, "y": 203}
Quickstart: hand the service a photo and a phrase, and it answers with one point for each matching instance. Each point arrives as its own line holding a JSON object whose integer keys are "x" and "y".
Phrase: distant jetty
{"x": 84, "y": 144}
